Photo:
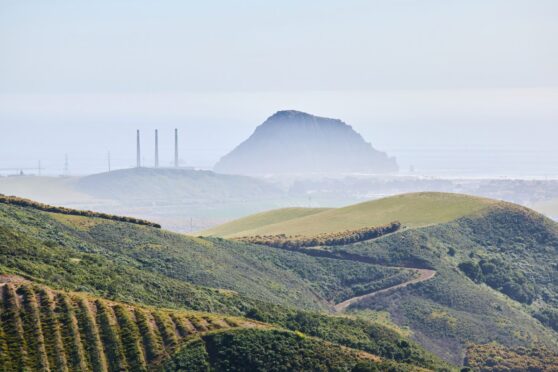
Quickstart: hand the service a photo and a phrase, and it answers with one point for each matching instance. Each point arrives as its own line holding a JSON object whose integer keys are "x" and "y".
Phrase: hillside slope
{"x": 412, "y": 210}
{"x": 81, "y": 251}
{"x": 42, "y": 330}
{"x": 260, "y": 220}
{"x": 143, "y": 265}
{"x": 495, "y": 277}
{"x": 495, "y": 266}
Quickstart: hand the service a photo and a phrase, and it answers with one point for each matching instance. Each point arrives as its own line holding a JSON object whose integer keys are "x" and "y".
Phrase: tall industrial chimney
{"x": 138, "y": 153}
{"x": 176, "y": 147}
{"x": 156, "y": 149}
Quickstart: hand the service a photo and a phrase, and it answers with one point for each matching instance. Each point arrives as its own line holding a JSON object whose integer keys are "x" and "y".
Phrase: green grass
{"x": 144, "y": 265}
{"x": 291, "y": 290}
{"x": 450, "y": 311}
{"x": 260, "y": 220}
{"x": 100, "y": 255}
{"x": 412, "y": 210}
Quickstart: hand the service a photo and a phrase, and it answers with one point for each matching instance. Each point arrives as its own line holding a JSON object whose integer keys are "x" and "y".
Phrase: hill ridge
{"x": 412, "y": 210}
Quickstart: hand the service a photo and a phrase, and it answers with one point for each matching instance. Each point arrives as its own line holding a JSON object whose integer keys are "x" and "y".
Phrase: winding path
{"x": 424, "y": 274}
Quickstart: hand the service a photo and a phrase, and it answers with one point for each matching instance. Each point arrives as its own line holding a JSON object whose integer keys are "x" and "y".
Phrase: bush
{"x": 472, "y": 270}
{"x": 500, "y": 276}
{"x": 14, "y": 200}
{"x": 326, "y": 239}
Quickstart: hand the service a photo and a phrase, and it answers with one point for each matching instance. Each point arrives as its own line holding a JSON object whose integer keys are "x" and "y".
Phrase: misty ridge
{"x": 293, "y": 159}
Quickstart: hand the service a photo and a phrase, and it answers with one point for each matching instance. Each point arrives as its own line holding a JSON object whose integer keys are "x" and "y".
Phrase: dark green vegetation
{"x": 14, "y": 200}
{"x": 43, "y": 330}
{"x": 495, "y": 281}
{"x": 101, "y": 256}
{"x": 493, "y": 357}
{"x": 510, "y": 248}
{"x": 143, "y": 265}
{"x": 502, "y": 277}
{"x": 325, "y": 239}
{"x": 496, "y": 264}
{"x": 275, "y": 350}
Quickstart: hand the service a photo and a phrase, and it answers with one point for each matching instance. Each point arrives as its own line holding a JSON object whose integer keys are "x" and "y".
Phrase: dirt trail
{"x": 424, "y": 274}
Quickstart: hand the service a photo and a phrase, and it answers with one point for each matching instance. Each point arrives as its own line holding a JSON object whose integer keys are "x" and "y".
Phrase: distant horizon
{"x": 481, "y": 149}
{"x": 446, "y": 87}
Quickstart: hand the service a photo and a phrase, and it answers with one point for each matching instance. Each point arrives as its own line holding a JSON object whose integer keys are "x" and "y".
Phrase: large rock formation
{"x": 293, "y": 142}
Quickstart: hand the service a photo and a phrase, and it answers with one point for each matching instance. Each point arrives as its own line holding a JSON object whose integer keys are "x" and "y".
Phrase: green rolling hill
{"x": 119, "y": 261}
{"x": 42, "y": 329}
{"x": 494, "y": 263}
{"x": 495, "y": 266}
{"x": 261, "y": 220}
{"x": 412, "y": 210}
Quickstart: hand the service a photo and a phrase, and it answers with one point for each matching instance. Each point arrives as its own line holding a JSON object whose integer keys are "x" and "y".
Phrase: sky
{"x": 446, "y": 86}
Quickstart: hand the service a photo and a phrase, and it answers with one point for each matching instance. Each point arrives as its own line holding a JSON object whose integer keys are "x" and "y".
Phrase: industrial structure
{"x": 156, "y": 149}
{"x": 176, "y": 148}
{"x": 156, "y": 163}
{"x": 138, "y": 150}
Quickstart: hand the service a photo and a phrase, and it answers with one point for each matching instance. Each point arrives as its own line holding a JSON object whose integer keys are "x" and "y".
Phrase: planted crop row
{"x": 43, "y": 330}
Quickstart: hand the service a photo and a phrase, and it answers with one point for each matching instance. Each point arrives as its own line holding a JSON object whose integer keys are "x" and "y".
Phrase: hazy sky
{"x": 476, "y": 80}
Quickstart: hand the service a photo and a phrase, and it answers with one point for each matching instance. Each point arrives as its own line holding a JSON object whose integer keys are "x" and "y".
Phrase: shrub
{"x": 14, "y": 200}
{"x": 326, "y": 239}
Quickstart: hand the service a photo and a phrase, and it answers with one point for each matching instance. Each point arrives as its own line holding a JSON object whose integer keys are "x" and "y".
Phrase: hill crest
{"x": 412, "y": 210}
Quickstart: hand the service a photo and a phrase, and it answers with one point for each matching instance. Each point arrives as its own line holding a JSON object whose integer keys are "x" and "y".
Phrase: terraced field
{"x": 43, "y": 330}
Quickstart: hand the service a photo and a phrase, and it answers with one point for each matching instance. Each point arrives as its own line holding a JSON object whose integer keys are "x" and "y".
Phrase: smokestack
{"x": 156, "y": 149}
{"x": 176, "y": 147}
{"x": 138, "y": 153}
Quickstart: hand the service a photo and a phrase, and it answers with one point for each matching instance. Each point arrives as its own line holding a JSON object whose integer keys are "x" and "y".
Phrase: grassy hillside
{"x": 495, "y": 278}
{"x": 412, "y": 210}
{"x": 14, "y": 200}
{"x": 42, "y": 329}
{"x": 495, "y": 263}
{"x": 100, "y": 255}
{"x": 518, "y": 252}
{"x": 260, "y": 220}
{"x": 144, "y": 265}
